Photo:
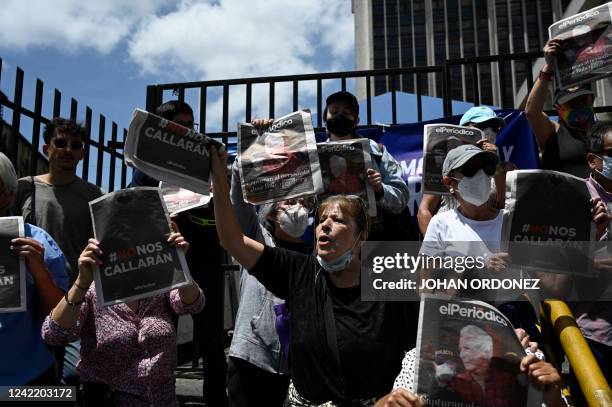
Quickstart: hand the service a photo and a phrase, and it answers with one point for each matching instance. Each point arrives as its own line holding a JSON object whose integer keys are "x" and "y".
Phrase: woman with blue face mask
{"x": 333, "y": 333}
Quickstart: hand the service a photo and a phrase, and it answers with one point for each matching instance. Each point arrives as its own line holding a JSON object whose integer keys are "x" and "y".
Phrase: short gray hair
{"x": 8, "y": 174}
{"x": 482, "y": 340}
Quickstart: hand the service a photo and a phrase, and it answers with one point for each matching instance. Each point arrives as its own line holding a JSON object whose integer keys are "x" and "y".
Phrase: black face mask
{"x": 340, "y": 125}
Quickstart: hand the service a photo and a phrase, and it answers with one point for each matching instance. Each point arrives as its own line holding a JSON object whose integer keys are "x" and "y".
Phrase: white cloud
{"x": 245, "y": 38}
{"x": 71, "y": 25}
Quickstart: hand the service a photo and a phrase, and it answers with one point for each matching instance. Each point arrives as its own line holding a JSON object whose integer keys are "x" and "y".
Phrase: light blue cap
{"x": 479, "y": 114}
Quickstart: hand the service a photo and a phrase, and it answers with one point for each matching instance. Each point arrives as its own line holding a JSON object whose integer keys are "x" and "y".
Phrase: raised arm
{"x": 244, "y": 249}
{"x": 542, "y": 126}
{"x": 427, "y": 209}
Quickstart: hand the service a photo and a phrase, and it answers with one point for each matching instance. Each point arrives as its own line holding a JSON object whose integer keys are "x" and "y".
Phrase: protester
{"x": 58, "y": 202}
{"x": 128, "y": 353}
{"x": 197, "y": 225}
{"x": 334, "y": 335}
{"x": 563, "y": 144}
{"x": 595, "y": 318}
{"x": 25, "y": 357}
{"x": 258, "y": 358}
{"x": 473, "y": 342}
{"x": 485, "y": 119}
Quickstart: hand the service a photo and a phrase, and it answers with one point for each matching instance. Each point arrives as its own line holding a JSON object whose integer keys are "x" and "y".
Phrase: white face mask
{"x": 476, "y": 189}
{"x": 445, "y": 372}
{"x": 490, "y": 134}
{"x": 294, "y": 220}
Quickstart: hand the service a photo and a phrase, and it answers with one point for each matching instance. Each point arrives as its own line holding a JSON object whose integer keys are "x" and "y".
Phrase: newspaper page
{"x": 169, "y": 152}
{"x": 438, "y": 140}
{"x": 469, "y": 355}
{"x": 12, "y": 267}
{"x": 547, "y": 222}
{"x": 343, "y": 167}
{"x": 179, "y": 199}
{"x": 586, "y": 46}
{"x": 132, "y": 227}
{"x": 281, "y": 162}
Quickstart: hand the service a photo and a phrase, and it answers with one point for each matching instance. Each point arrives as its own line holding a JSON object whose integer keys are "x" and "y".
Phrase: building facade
{"x": 405, "y": 33}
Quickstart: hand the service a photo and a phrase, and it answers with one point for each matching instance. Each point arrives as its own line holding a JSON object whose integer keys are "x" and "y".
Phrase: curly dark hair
{"x": 595, "y": 135}
{"x": 173, "y": 107}
{"x": 64, "y": 126}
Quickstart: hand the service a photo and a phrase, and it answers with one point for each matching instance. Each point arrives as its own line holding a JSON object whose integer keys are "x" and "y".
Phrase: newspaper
{"x": 438, "y": 140}
{"x": 179, "y": 199}
{"x": 12, "y": 267}
{"x": 343, "y": 167}
{"x": 280, "y": 163}
{"x": 169, "y": 152}
{"x": 132, "y": 227}
{"x": 586, "y": 48}
{"x": 463, "y": 342}
{"x": 547, "y": 222}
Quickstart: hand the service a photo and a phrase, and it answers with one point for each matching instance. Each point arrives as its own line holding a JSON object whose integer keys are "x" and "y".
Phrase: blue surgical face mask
{"x": 606, "y": 171}
{"x": 340, "y": 263}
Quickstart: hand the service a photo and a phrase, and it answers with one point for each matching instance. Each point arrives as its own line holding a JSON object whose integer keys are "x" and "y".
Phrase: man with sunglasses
{"x": 563, "y": 144}
{"x": 58, "y": 202}
{"x": 485, "y": 119}
{"x": 204, "y": 258}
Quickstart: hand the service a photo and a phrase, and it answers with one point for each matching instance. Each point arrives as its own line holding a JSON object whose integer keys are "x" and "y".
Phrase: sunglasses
{"x": 201, "y": 221}
{"x": 63, "y": 143}
{"x": 470, "y": 168}
{"x": 490, "y": 123}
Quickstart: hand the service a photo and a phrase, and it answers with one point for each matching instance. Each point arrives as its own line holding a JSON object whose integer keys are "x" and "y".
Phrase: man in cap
{"x": 485, "y": 119}
{"x": 563, "y": 144}
{"x": 341, "y": 116}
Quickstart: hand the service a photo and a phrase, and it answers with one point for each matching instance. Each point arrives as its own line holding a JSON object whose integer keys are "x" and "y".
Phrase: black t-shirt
{"x": 341, "y": 348}
{"x": 565, "y": 152}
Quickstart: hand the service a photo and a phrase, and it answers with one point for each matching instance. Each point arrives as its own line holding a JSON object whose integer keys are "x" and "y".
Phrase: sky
{"x": 105, "y": 53}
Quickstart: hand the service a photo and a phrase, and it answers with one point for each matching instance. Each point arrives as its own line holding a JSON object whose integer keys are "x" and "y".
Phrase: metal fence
{"x": 101, "y": 147}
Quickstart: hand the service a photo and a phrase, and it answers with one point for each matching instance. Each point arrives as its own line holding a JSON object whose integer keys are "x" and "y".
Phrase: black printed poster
{"x": 132, "y": 228}
{"x": 12, "y": 267}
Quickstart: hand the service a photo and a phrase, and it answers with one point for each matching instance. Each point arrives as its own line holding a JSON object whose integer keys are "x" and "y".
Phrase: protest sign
{"x": 343, "y": 168}
{"x": 132, "y": 228}
{"x": 179, "y": 199}
{"x": 547, "y": 222}
{"x": 439, "y": 139}
{"x": 169, "y": 152}
{"x": 12, "y": 267}
{"x": 280, "y": 163}
{"x": 586, "y": 46}
{"x": 459, "y": 344}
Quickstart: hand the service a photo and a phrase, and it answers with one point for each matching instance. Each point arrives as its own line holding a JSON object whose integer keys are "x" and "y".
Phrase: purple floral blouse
{"x": 134, "y": 353}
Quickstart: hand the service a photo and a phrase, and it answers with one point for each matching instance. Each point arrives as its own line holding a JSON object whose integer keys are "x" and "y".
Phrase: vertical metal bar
{"x": 502, "y": 82}
{"x": 151, "y": 98}
{"x": 13, "y": 141}
{"x": 57, "y": 103}
{"x": 181, "y": 94}
{"x": 123, "y": 165}
{"x": 320, "y": 112}
{"x": 73, "y": 109}
{"x": 203, "y": 90}
{"x": 529, "y": 73}
{"x": 393, "y": 100}
{"x": 249, "y": 101}
{"x": 225, "y": 109}
{"x": 447, "y": 97}
{"x": 475, "y": 85}
{"x": 271, "y": 107}
{"x": 369, "y": 98}
{"x": 419, "y": 91}
{"x": 295, "y": 95}
{"x": 343, "y": 83}
{"x": 36, "y": 127}
{"x": 100, "y": 164}
{"x": 88, "y": 115}
{"x": 113, "y": 154}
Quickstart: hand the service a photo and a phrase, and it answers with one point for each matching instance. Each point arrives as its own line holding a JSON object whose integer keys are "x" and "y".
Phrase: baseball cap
{"x": 479, "y": 114}
{"x": 565, "y": 95}
{"x": 344, "y": 96}
{"x": 458, "y": 156}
